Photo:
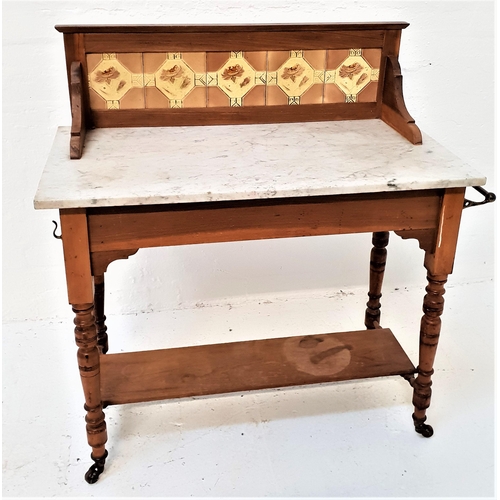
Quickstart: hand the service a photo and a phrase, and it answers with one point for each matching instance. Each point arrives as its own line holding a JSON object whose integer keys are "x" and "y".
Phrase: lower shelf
{"x": 256, "y": 364}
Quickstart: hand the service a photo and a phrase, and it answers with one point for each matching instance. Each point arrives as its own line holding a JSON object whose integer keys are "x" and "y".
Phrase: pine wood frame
{"x": 95, "y": 237}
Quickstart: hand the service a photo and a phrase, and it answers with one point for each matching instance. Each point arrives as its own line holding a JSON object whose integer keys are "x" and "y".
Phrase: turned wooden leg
{"x": 100, "y": 318}
{"x": 378, "y": 259}
{"x": 430, "y": 328}
{"x": 88, "y": 363}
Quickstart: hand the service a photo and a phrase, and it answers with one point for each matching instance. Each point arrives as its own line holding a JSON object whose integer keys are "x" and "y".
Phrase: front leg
{"x": 88, "y": 363}
{"x": 439, "y": 264}
{"x": 430, "y": 328}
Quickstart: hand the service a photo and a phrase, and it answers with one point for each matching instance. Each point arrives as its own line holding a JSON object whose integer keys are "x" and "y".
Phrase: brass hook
{"x": 54, "y": 232}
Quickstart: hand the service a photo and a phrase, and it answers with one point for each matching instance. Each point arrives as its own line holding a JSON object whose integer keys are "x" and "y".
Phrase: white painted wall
{"x": 447, "y": 57}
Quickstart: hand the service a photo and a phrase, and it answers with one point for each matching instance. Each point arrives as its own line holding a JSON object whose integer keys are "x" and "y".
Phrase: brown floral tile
{"x": 175, "y": 79}
{"x": 296, "y": 78}
{"x": 224, "y": 79}
{"x": 353, "y": 75}
{"x": 112, "y": 79}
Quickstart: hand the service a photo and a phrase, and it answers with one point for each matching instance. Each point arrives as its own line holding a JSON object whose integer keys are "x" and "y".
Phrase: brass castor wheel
{"x": 96, "y": 469}
{"x": 424, "y": 429}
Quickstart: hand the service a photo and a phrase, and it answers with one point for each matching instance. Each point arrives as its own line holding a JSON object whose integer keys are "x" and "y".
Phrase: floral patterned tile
{"x": 299, "y": 75}
{"x": 232, "y": 78}
{"x": 115, "y": 81}
{"x": 175, "y": 80}
{"x": 355, "y": 72}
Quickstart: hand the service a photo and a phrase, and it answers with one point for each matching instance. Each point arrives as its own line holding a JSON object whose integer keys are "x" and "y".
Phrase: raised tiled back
{"x": 122, "y": 76}
{"x": 162, "y": 80}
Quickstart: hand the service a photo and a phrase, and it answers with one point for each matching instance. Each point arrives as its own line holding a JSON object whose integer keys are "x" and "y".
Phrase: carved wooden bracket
{"x": 394, "y": 111}
{"x": 426, "y": 237}
{"x": 78, "y": 128}
{"x": 101, "y": 260}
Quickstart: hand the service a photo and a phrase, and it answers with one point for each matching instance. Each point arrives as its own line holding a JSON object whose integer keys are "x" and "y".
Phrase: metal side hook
{"x": 488, "y": 198}
{"x": 54, "y": 232}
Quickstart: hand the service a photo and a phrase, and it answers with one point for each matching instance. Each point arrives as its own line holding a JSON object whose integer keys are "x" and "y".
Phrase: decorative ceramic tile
{"x": 115, "y": 79}
{"x": 353, "y": 74}
{"x": 233, "y": 78}
{"x": 175, "y": 80}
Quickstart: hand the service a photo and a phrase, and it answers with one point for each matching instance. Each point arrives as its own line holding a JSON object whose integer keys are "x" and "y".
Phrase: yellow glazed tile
{"x": 353, "y": 75}
{"x": 236, "y": 78}
{"x": 111, "y": 79}
{"x": 295, "y": 76}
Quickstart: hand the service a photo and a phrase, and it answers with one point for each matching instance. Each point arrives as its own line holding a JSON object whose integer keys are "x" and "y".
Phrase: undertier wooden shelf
{"x": 250, "y": 365}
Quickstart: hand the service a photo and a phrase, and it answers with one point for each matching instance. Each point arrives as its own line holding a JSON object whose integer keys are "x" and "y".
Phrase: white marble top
{"x": 145, "y": 166}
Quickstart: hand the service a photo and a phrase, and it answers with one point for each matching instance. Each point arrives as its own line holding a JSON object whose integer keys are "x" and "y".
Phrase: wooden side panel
{"x": 394, "y": 111}
{"x": 440, "y": 261}
{"x": 74, "y": 48}
{"x": 140, "y": 227}
{"x": 78, "y": 125}
{"x": 250, "y": 365}
{"x": 75, "y": 238}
